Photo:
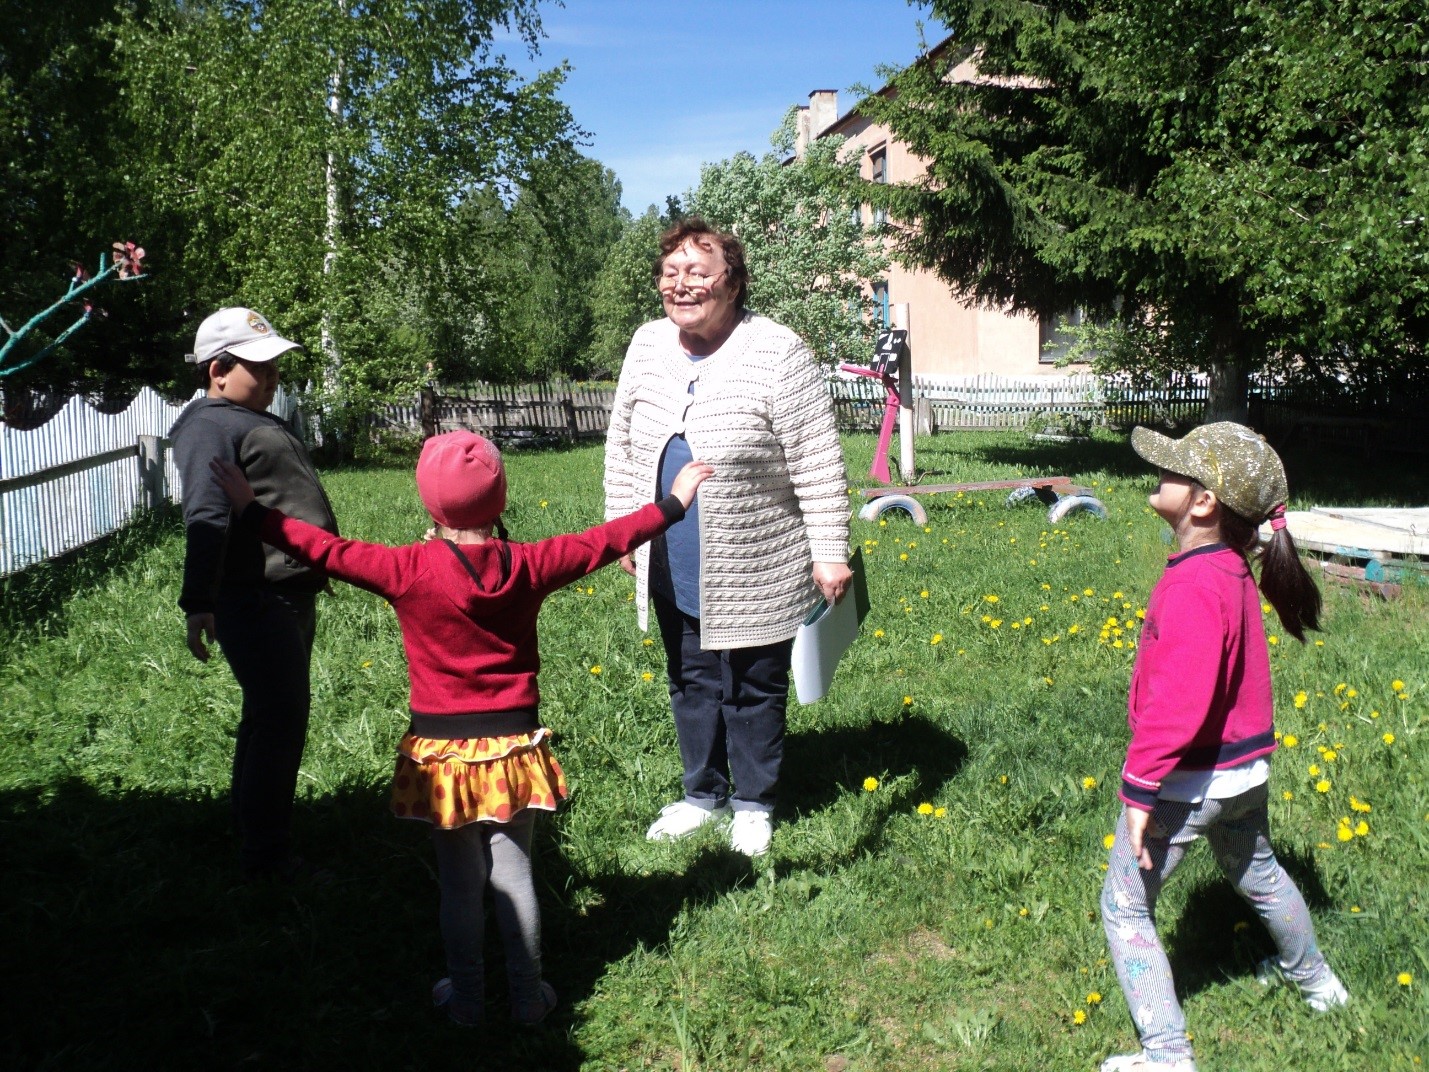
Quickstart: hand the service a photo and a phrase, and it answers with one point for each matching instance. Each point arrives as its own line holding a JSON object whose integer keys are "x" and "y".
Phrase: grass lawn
{"x": 931, "y": 898}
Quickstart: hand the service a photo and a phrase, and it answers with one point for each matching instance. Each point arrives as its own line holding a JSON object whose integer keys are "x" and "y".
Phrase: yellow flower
{"x": 1341, "y": 687}
{"x": 870, "y": 784}
{"x": 1094, "y": 998}
{"x": 1109, "y": 841}
{"x": 1079, "y": 1017}
{"x": 1404, "y": 978}
{"x": 543, "y": 504}
{"x": 1351, "y": 693}
{"x": 995, "y": 622}
{"x": 1314, "y": 770}
{"x": 647, "y": 642}
{"x": 1356, "y": 908}
{"x": 1322, "y": 786}
{"x": 1089, "y": 591}
{"x": 367, "y": 664}
{"x": 923, "y": 594}
{"x": 1089, "y": 782}
{"x": 1330, "y": 755}
{"x": 1319, "y": 643}
{"x": 940, "y": 813}
{"x": 1344, "y": 833}
{"x": 1396, "y": 685}
{"x": 647, "y": 676}
{"x": 903, "y": 557}
{"x": 1002, "y": 779}
{"x": 878, "y": 633}
{"x": 1301, "y": 699}
{"x": 1023, "y": 912}
{"x": 1073, "y": 629}
{"x": 1388, "y": 738}
{"x": 1272, "y": 639}
{"x": 907, "y": 701}
{"x": 1361, "y": 828}
{"x": 595, "y": 669}
{"x": 1290, "y": 740}
{"x": 937, "y": 638}
{"x": 990, "y": 599}
{"x": 925, "y": 808}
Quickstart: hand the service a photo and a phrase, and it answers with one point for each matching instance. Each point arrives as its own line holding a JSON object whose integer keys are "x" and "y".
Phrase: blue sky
{"x": 664, "y": 87}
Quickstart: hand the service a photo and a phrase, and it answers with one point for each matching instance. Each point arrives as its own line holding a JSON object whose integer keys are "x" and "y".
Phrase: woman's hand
{"x": 688, "y": 479}
{"x": 234, "y": 484}
{"x": 832, "y": 579}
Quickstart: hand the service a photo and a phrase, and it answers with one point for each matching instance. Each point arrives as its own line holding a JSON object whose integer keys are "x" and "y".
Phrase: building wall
{"x": 947, "y": 336}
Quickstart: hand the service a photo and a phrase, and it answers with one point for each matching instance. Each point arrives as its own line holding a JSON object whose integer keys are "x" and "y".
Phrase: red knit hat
{"x": 461, "y": 480}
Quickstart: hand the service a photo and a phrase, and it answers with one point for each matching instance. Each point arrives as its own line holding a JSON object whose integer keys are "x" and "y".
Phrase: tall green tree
{"x": 317, "y": 149}
{"x": 1227, "y": 183}
{"x": 809, "y": 257}
{"x": 623, "y": 294}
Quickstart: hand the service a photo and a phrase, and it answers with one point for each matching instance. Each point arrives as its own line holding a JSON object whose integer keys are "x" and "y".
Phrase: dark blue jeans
{"x": 267, "y": 638}
{"x": 729, "y": 713}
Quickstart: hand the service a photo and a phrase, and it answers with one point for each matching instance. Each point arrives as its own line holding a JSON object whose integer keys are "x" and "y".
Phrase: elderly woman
{"x": 767, "y": 535}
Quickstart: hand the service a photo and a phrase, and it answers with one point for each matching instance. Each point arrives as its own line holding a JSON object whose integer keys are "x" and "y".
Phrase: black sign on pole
{"x": 890, "y": 358}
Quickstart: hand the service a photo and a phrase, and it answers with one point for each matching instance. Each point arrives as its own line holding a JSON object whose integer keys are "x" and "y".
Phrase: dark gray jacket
{"x": 219, "y": 553}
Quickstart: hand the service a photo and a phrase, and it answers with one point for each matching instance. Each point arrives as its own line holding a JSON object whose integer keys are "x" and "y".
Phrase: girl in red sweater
{"x": 476, "y": 762}
{"x": 1201, "y": 727}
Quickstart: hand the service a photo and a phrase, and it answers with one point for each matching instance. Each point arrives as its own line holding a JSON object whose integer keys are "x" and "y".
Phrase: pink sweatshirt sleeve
{"x": 386, "y": 571}
{"x": 1177, "y": 679}
{"x": 558, "y": 561}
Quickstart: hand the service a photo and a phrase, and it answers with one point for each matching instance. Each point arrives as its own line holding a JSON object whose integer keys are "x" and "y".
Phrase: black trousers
{"x": 729, "y": 713}
{"x": 267, "y": 638}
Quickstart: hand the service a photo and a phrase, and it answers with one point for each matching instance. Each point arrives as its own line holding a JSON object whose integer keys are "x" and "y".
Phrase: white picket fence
{"x": 82, "y": 474}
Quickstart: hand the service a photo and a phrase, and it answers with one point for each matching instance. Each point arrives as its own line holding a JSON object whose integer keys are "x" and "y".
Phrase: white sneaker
{"x": 1322, "y": 995}
{"x": 751, "y": 832}
{"x": 1139, "y": 1062}
{"x": 681, "y": 819}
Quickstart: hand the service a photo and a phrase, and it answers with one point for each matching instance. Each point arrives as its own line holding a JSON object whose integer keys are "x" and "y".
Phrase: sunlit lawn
{"x": 930, "y": 902}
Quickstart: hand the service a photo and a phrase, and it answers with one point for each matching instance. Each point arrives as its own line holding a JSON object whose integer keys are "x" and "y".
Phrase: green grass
{"x": 873, "y": 937}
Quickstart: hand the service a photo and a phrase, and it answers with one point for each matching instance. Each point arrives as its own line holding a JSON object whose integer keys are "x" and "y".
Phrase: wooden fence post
{"x": 151, "y": 472}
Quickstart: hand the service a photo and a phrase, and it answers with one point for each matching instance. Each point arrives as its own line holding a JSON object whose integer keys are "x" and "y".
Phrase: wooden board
{"x": 1382, "y": 533}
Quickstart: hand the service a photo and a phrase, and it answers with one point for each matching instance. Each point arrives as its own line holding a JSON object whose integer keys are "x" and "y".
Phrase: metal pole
{"x": 906, "y": 471}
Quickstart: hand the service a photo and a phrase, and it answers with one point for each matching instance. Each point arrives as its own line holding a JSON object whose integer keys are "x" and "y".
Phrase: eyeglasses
{"x": 690, "y": 280}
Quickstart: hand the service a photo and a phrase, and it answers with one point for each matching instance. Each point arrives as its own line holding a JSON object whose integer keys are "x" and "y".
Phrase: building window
{"x": 878, "y": 163}
{"x": 881, "y": 312}
{"x": 1058, "y": 336}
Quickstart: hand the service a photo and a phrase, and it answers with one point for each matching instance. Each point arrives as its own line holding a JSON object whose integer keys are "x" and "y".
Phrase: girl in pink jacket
{"x": 1201, "y": 727}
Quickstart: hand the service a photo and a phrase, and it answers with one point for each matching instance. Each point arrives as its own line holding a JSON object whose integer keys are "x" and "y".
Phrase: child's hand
{"x": 1136, "y": 823}
{"x": 688, "y": 479}
{"x": 234, "y": 484}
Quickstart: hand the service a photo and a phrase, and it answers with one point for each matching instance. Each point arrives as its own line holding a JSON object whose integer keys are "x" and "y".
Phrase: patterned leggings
{"x": 1238, "y": 830}
{"x": 470, "y": 858}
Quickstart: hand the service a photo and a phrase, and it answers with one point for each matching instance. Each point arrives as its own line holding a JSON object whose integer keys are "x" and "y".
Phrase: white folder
{"x": 826, "y": 634}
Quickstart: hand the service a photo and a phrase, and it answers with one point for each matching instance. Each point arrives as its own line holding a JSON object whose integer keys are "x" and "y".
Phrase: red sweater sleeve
{"x": 559, "y": 560}
{"x": 387, "y": 571}
{"x": 1177, "y": 678}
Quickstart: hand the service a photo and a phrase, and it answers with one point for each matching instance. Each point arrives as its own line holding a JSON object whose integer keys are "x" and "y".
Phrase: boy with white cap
{"x": 256, "y": 603}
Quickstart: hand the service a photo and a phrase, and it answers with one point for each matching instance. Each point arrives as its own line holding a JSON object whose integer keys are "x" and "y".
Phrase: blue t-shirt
{"x": 675, "y": 559}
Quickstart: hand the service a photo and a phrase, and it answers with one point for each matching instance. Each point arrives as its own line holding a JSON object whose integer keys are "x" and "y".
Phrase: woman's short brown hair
{"x": 696, "y": 230}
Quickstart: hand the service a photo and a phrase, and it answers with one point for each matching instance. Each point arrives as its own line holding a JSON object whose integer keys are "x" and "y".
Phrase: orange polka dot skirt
{"x": 450, "y": 783}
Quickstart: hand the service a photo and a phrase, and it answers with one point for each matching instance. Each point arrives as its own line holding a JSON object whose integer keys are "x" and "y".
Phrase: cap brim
{"x": 264, "y": 349}
{"x": 1156, "y": 448}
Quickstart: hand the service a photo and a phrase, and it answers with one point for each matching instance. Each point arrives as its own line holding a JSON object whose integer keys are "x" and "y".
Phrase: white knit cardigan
{"x": 761, "y": 415}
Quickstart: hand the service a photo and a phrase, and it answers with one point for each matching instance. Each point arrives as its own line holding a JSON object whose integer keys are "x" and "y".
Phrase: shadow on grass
{"x": 130, "y": 943}
{"x": 1209, "y": 945}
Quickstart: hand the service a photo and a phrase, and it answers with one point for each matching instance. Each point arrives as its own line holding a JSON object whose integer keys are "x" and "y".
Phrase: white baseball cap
{"x": 241, "y": 332}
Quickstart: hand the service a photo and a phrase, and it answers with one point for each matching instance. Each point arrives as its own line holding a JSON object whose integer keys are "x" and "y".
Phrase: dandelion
{"x": 1330, "y": 755}
{"x": 1108, "y": 841}
{"x": 923, "y": 594}
{"x": 1361, "y": 828}
{"x": 1360, "y": 805}
{"x": 1094, "y": 998}
{"x": 991, "y": 599}
{"x": 1079, "y": 1017}
{"x": 1322, "y": 786}
{"x": 1290, "y": 740}
{"x": 1356, "y": 909}
{"x": 1388, "y": 738}
{"x": 903, "y": 557}
{"x": 1404, "y": 979}
{"x": 925, "y": 808}
{"x": 937, "y": 638}
{"x": 1319, "y": 643}
{"x": 1351, "y": 693}
{"x": 595, "y": 669}
{"x": 1287, "y": 795}
{"x": 995, "y": 623}
{"x": 1089, "y": 782}
{"x": 940, "y": 813}
{"x": 1023, "y": 912}
{"x": 1002, "y": 779}
{"x": 543, "y": 504}
{"x": 367, "y": 665}
{"x": 1314, "y": 770}
{"x": 907, "y": 701}
{"x": 1343, "y": 832}
{"x": 870, "y": 784}
{"x": 1396, "y": 685}
{"x": 1073, "y": 629}
{"x": 1272, "y": 640}
{"x": 1089, "y": 591}
{"x": 647, "y": 676}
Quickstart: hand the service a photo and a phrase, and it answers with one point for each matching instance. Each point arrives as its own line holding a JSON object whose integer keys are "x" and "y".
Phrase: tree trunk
{"x": 1228, "y": 398}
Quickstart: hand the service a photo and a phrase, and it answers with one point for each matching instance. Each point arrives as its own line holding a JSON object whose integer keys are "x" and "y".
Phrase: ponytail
{"x": 1284, "y": 581}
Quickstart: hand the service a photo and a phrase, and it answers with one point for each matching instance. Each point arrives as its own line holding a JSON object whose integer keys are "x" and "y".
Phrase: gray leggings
{"x": 1238, "y": 829}
{"x": 468, "y": 859}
